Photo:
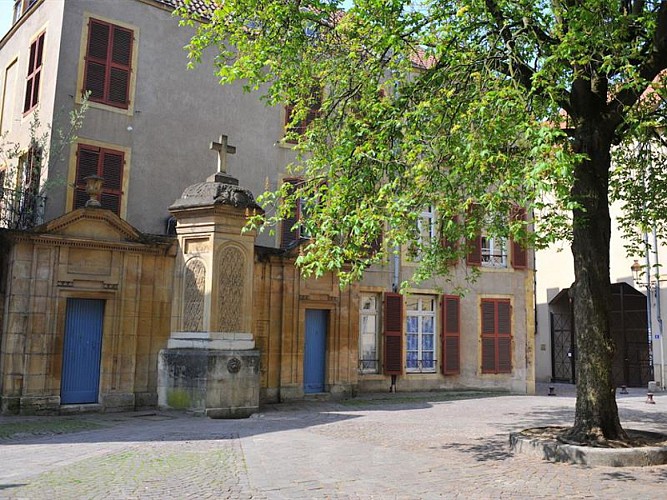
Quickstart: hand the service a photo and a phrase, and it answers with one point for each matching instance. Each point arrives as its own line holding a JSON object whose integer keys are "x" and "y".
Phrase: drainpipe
{"x": 658, "y": 310}
{"x": 394, "y": 288}
{"x": 649, "y": 314}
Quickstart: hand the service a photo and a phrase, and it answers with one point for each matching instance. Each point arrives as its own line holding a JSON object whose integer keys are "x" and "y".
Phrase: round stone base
{"x": 527, "y": 443}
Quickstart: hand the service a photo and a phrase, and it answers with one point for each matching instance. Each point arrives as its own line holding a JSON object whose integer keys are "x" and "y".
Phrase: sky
{"x": 6, "y": 8}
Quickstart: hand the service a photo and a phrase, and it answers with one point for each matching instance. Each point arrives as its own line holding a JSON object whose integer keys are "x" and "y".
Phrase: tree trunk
{"x": 596, "y": 414}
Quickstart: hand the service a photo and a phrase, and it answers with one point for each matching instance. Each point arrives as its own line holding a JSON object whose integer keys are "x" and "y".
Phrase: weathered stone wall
{"x": 86, "y": 254}
{"x": 281, "y": 297}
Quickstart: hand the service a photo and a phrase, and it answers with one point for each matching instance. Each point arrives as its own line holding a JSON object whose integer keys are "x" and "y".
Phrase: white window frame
{"x": 369, "y": 365}
{"x": 426, "y": 217}
{"x": 494, "y": 251}
{"x": 420, "y": 314}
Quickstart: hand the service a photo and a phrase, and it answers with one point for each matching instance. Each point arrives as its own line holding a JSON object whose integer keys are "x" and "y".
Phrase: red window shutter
{"x": 108, "y": 63}
{"x": 496, "y": 336}
{"x": 451, "y": 335}
{"x": 96, "y": 60}
{"x": 121, "y": 55}
{"x": 112, "y": 172}
{"x": 393, "y": 334}
{"x": 87, "y": 164}
{"x": 488, "y": 355}
{"x": 289, "y": 233}
{"x": 109, "y": 165}
{"x": 474, "y": 257}
{"x": 34, "y": 73}
{"x": 519, "y": 253}
{"x": 504, "y": 342}
{"x": 504, "y": 355}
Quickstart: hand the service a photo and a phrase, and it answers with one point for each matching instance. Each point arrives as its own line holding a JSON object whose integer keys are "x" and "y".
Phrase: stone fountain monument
{"x": 210, "y": 365}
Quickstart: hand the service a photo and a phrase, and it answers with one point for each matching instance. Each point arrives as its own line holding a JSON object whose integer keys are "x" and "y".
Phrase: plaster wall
{"x": 175, "y": 113}
{"x": 14, "y": 58}
{"x": 507, "y": 283}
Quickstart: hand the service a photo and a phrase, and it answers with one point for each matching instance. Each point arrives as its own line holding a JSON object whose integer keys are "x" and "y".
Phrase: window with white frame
{"x": 420, "y": 333}
{"x": 494, "y": 251}
{"x": 369, "y": 323}
{"x": 426, "y": 225}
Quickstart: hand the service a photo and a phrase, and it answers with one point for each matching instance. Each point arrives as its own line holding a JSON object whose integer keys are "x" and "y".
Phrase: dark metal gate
{"x": 631, "y": 365}
{"x": 562, "y": 348}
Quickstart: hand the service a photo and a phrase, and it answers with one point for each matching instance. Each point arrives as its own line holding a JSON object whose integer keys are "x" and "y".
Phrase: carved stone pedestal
{"x": 208, "y": 366}
{"x": 220, "y": 383}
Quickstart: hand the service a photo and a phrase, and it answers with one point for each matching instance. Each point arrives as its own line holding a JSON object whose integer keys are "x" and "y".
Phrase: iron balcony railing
{"x": 20, "y": 209}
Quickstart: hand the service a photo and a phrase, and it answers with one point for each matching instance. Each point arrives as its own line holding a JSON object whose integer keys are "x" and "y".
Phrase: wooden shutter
{"x": 496, "y": 336}
{"x": 119, "y": 71}
{"x": 451, "y": 335}
{"x": 393, "y": 334}
{"x": 112, "y": 172}
{"x": 488, "y": 336}
{"x": 106, "y": 163}
{"x": 504, "y": 336}
{"x": 108, "y": 63}
{"x": 519, "y": 254}
{"x": 96, "y": 59}
{"x": 34, "y": 73}
{"x": 289, "y": 231}
{"x": 474, "y": 257}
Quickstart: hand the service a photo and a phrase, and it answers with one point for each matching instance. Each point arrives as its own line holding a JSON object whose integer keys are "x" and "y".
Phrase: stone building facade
{"x": 150, "y": 138}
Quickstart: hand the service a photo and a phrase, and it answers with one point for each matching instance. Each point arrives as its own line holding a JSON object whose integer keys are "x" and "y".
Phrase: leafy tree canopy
{"x": 466, "y": 106}
{"x": 474, "y": 107}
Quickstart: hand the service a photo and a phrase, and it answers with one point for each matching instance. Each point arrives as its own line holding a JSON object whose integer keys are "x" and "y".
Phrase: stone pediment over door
{"x": 91, "y": 223}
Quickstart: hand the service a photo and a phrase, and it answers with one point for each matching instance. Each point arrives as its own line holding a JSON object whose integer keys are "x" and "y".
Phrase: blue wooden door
{"x": 314, "y": 360}
{"x": 82, "y": 351}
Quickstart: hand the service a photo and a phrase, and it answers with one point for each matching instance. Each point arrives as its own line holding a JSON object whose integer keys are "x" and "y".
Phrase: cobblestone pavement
{"x": 426, "y": 447}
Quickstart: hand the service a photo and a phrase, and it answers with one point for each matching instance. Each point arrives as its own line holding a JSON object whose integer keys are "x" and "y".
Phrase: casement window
{"x": 426, "y": 225}
{"x": 492, "y": 251}
{"x": 393, "y": 338}
{"x": 33, "y": 77}
{"x": 451, "y": 334}
{"x": 420, "y": 351}
{"x": 106, "y": 163}
{"x": 496, "y": 336}
{"x": 108, "y": 63}
{"x": 20, "y": 8}
{"x": 300, "y": 126}
{"x": 369, "y": 322}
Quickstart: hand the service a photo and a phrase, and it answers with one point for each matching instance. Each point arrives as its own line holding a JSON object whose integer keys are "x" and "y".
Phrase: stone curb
{"x": 555, "y": 451}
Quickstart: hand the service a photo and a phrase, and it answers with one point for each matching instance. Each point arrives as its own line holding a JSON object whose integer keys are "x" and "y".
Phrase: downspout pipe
{"x": 658, "y": 310}
{"x": 649, "y": 313}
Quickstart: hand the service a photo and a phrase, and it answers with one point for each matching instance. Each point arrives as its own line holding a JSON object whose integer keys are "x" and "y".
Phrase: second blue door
{"x": 314, "y": 360}
{"x": 82, "y": 350}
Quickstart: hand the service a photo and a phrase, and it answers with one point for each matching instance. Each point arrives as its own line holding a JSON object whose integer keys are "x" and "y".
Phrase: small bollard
{"x": 649, "y": 398}
{"x": 624, "y": 389}
{"x": 552, "y": 391}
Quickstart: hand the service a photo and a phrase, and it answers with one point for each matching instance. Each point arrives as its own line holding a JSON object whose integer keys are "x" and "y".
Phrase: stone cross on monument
{"x": 223, "y": 150}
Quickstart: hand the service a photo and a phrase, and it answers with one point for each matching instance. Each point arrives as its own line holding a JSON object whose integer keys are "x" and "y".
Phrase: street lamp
{"x": 636, "y": 269}
{"x": 652, "y": 287}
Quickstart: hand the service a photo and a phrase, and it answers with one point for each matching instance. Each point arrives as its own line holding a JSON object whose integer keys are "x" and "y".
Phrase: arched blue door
{"x": 314, "y": 360}
{"x": 82, "y": 351}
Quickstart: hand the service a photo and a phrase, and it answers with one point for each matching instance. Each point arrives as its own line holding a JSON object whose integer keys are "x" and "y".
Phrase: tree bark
{"x": 596, "y": 413}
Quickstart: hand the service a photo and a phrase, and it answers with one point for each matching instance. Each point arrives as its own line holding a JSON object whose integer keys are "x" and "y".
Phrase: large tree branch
{"x": 649, "y": 69}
